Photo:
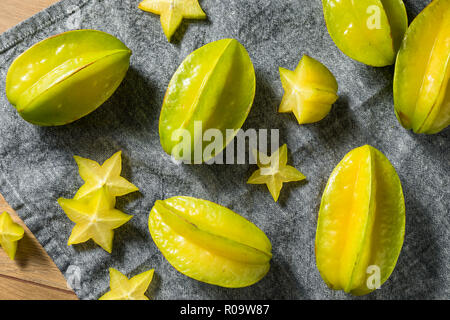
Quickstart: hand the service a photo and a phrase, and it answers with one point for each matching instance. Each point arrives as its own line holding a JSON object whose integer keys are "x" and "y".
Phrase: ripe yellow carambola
{"x": 210, "y": 243}
{"x": 213, "y": 87}
{"x": 65, "y": 77}
{"x": 361, "y": 223}
{"x": 422, "y": 71}
{"x": 369, "y": 31}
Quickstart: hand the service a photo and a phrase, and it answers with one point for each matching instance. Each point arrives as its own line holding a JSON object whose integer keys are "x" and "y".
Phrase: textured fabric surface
{"x": 37, "y": 166}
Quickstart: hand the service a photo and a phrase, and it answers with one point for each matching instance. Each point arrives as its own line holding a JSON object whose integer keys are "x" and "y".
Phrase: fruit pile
{"x": 92, "y": 208}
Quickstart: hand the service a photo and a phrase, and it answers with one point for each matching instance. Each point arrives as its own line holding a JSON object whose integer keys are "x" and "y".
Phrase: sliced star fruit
{"x": 94, "y": 217}
{"x": 10, "y": 234}
{"x": 213, "y": 88}
{"x": 172, "y": 12}
{"x": 274, "y": 171}
{"x": 67, "y": 76}
{"x": 106, "y": 175}
{"x": 361, "y": 223}
{"x": 123, "y": 288}
{"x": 369, "y": 31}
{"x": 422, "y": 71}
{"x": 210, "y": 243}
{"x": 310, "y": 91}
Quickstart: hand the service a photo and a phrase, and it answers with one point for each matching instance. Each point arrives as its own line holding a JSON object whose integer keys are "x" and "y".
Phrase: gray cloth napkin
{"x": 37, "y": 166}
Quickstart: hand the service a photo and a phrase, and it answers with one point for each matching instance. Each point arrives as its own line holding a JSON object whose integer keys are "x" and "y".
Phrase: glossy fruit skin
{"x": 210, "y": 243}
{"x": 67, "y": 76}
{"x": 422, "y": 71}
{"x": 361, "y": 221}
{"x": 351, "y": 26}
{"x": 173, "y": 12}
{"x": 215, "y": 84}
{"x": 310, "y": 91}
{"x": 10, "y": 234}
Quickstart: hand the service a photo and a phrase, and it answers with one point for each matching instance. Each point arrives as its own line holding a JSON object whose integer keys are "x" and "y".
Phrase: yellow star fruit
{"x": 310, "y": 90}
{"x": 361, "y": 223}
{"x": 210, "y": 243}
{"x": 273, "y": 171}
{"x": 422, "y": 71}
{"x": 108, "y": 175}
{"x": 10, "y": 233}
{"x": 123, "y": 288}
{"x": 369, "y": 31}
{"x": 172, "y": 12}
{"x": 95, "y": 218}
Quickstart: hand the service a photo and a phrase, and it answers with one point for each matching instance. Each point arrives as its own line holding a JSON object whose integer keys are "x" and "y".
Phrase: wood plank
{"x": 32, "y": 262}
{"x": 14, "y": 11}
{"x": 31, "y": 265}
{"x": 17, "y": 289}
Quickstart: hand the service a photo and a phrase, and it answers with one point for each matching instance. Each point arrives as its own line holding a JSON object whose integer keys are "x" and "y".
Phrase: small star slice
{"x": 273, "y": 171}
{"x": 108, "y": 175}
{"x": 123, "y": 288}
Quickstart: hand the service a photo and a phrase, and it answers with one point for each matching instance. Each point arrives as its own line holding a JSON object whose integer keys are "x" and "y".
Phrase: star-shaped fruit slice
{"x": 95, "y": 218}
{"x": 273, "y": 171}
{"x": 10, "y": 233}
{"x": 172, "y": 12}
{"x": 123, "y": 288}
{"x": 97, "y": 176}
{"x": 309, "y": 90}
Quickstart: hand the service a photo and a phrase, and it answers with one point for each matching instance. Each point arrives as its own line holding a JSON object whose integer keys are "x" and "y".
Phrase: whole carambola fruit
{"x": 67, "y": 76}
{"x": 369, "y": 31}
{"x": 210, "y": 243}
{"x": 361, "y": 223}
{"x": 422, "y": 71}
{"x": 214, "y": 88}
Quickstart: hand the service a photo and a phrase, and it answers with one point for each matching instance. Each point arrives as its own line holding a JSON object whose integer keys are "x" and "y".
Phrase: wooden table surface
{"x": 32, "y": 275}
